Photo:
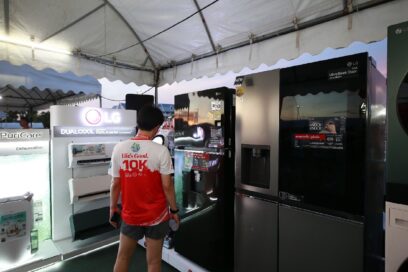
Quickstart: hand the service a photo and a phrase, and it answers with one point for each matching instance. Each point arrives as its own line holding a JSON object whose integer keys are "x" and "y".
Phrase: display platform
{"x": 47, "y": 254}
{"x": 70, "y": 249}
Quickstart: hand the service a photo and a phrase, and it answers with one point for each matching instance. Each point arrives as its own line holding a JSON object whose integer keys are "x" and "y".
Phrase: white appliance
{"x": 90, "y": 188}
{"x": 16, "y": 223}
{"x": 82, "y": 141}
{"x": 25, "y": 167}
{"x": 396, "y": 236}
{"x": 89, "y": 154}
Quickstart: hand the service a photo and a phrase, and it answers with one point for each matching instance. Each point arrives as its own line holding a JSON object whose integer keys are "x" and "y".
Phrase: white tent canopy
{"x": 25, "y": 88}
{"x": 130, "y": 40}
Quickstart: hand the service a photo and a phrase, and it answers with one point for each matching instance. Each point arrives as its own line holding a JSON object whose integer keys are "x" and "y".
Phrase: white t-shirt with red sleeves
{"x": 139, "y": 164}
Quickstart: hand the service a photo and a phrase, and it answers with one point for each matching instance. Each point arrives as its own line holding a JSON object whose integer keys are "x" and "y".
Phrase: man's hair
{"x": 23, "y": 118}
{"x": 149, "y": 117}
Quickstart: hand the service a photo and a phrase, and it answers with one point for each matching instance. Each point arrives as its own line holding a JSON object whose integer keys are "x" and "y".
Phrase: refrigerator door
{"x": 199, "y": 180}
{"x": 311, "y": 242}
{"x": 204, "y": 119}
{"x": 204, "y": 194}
{"x": 256, "y": 234}
{"x": 257, "y": 134}
{"x": 322, "y": 134}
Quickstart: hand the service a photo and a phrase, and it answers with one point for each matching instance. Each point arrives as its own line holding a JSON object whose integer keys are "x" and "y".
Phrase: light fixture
{"x": 33, "y": 45}
{"x": 1, "y": 97}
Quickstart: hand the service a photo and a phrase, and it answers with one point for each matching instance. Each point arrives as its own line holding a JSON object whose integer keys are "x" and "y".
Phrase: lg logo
{"x": 96, "y": 117}
{"x": 401, "y": 30}
{"x": 93, "y": 117}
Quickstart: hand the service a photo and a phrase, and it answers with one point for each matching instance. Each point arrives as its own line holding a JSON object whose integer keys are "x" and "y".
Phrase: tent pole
{"x": 156, "y": 86}
{"x": 100, "y": 101}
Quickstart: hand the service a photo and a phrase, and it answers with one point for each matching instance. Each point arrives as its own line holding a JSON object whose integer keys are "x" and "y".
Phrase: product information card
{"x": 324, "y": 133}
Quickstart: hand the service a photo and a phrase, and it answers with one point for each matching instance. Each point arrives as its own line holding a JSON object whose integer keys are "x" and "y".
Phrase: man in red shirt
{"x": 141, "y": 171}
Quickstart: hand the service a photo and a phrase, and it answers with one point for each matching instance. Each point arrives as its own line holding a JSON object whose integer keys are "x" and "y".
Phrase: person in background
{"x": 141, "y": 173}
{"x": 24, "y": 122}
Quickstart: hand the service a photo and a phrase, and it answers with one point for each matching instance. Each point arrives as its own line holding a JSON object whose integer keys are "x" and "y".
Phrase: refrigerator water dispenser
{"x": 255, "y": 165}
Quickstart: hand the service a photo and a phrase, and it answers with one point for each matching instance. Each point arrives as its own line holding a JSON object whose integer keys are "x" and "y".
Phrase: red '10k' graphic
{"x": 128, "y": 165}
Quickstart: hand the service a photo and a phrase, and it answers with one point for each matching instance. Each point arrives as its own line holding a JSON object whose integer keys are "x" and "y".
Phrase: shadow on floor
{"x": 103, "y": 260}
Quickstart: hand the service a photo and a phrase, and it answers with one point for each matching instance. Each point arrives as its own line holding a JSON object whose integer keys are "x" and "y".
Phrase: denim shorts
{"x": 157, "y": 232}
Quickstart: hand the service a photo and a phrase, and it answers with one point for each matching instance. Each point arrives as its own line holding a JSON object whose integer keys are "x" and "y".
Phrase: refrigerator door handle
{"x": 255, "y": 197}
{"x": 200, "y": 151}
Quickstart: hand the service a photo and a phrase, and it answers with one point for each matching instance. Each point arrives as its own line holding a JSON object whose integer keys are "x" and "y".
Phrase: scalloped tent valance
{"x": 25, "y": 88}
{"x": 130, "y": 40}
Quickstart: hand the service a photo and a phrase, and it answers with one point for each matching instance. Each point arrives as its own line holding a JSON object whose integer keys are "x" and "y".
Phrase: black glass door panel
{"x": 402, "y": 104}
{"x": 203, "y": 119}
{"x": 322, "y": 137}
{"x": 203, "y": 198}
{"x": 199, "y": 180}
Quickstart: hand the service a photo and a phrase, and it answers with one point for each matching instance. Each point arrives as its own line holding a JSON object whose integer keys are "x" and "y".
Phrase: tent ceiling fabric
{"x": 100, "y": 29}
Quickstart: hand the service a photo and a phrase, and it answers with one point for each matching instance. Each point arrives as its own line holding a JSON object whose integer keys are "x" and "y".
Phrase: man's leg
{"x": 154, "y": 254}
{"x": 127, "y": 247}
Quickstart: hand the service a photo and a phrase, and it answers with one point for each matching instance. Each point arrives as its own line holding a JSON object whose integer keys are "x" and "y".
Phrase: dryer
{"x": 396, "y": 237}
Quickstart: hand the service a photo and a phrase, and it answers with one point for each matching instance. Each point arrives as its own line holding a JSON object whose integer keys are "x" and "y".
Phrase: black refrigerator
{"x": 331, "y": 166}
{"x": 204, "y": 177}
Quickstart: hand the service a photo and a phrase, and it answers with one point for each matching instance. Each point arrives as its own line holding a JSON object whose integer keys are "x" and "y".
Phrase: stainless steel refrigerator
{"x": 310, "y": 168}
{"x": 256, "y": 173}
{"x": 204, "y": 177}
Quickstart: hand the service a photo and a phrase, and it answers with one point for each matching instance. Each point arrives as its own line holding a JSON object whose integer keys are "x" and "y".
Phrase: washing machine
{"x": 396, "y": 237}
{"x": 396, "y": 225}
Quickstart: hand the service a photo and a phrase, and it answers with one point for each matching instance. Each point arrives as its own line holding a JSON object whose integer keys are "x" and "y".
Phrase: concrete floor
{"x": 103, "y": 260}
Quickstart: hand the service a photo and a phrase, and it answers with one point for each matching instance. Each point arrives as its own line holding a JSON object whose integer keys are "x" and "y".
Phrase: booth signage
{"x": 61, "y": 131}
{"x": 96, "y": 117}
{"x": 23, "y": 147}
{"x": 24, "y": 135}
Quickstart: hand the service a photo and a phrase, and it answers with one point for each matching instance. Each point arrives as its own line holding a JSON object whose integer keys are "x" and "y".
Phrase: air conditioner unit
{"x": 87, "y": 189}
{"x": 89, "y": 154}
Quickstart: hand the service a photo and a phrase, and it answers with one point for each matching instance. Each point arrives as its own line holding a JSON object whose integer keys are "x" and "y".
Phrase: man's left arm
{"x": 169, "y": 192}
{"x": 114, "y": 197}
{"x": 166, "y": 169}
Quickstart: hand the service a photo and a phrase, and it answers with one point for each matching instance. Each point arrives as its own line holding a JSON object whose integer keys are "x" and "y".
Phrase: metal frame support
{"x": 73, "y": 23}
{"x": 133, "y": 32}
{"x": 205, "y": 26}
{"x": 156, "y": 86}
{"x": 7, "y": 16}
